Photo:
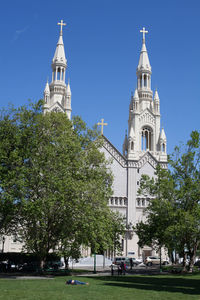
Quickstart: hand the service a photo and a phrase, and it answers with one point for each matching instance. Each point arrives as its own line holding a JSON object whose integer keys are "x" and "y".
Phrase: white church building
{"x": 144, "y": 147}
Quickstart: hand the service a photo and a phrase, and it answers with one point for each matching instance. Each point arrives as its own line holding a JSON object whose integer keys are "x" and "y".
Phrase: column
{"x": 142, "y": 80}
{"x": 56, "y": 73}
{"x": 63, "y": 74}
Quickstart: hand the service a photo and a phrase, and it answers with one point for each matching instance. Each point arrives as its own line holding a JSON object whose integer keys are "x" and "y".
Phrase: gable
{"x": 57, "y": 107}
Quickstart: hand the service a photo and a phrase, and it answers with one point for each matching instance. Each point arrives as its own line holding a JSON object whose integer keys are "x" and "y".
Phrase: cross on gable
{"x": 143, "y": 31}
{"x": 61, "y": 25}
{"x": 102, "y": 124}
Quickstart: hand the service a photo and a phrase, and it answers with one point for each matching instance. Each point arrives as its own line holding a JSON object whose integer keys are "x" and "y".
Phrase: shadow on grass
{"x": 189, "y": 286}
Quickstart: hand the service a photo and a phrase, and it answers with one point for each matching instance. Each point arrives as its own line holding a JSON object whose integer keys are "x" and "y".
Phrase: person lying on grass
{"x": 75, "y": 282}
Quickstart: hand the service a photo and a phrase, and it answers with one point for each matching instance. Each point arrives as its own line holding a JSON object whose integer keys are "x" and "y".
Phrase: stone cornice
{"x": 147, "y": 157}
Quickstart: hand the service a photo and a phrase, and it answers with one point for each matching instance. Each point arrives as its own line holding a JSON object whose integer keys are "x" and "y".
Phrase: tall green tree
{"x": 10, "y": 167}
{"x": 186, "y": 172}
{"x": 63, "y": 183}
{"x": 173, "y": 214}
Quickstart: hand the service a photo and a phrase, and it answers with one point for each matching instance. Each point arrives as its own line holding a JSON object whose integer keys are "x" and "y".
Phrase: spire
{"x": 144, "y": 73}
{"x": 68, "y": 92}
{"x": 59, "y": 56}
{"x": 47, "y": 90}
{"x": 156, "y": 97}
{"x": 46, "y": 97}
{"x": 57, "y": 95}
{"x": 162, "y": 135}
{"x": 144, "y": 63}
{"x": 136, "y": 97}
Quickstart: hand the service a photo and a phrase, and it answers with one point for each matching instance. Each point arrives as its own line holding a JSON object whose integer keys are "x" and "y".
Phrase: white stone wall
{"x": 120, "y": 176}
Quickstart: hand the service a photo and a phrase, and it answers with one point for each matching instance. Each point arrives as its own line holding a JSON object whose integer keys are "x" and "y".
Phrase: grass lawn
{"x": 100, "y": 288}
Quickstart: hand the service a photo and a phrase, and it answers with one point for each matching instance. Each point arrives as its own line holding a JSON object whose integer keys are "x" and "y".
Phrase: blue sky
{"x": 102, "y": 46}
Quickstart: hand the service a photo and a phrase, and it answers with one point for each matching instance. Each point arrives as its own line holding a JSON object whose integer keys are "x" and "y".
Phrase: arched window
{"x": 132, "y": 146}
{"x": 145, "y": 80}
{"x": 58, "y": 74}
{"x": 146, "y": 139}
{"x": 163, "y": 147}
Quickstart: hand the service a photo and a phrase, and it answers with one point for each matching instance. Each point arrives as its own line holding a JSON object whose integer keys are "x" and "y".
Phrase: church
{"x": 144, "y": 146}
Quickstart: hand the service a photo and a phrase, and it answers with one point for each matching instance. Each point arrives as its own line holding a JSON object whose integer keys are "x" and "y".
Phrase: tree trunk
{"x": 192, "y": 258}
{"x": 160, "y": 258}
{"x": 66, "y": 260}
{"x": 184, "y": 262}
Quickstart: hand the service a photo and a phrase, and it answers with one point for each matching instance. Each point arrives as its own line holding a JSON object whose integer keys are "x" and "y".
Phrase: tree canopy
{"x": 173, "y": 213}
{"x": 55, "y": 183}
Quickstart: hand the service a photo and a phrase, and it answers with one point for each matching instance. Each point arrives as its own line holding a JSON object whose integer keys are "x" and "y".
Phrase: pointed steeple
{"x": 144, "y": 132}
{"x": 144, "y": 77}
{"x": 68, "y": 92}
{"x": 156, "y": 97}
{"x": 136, "y": 97}
{"x": 47, "y": 90}
{"x": 136, "y": 101}
{"x": 59, "y": 95}
{"x": 144, "y": 63}
{"x": 46, "y": 97}
{"x": 163, "y": 142}
{"x": 156, "y": 103}
{"x": 59, "y": 56}
{"x": 162, "y": 135}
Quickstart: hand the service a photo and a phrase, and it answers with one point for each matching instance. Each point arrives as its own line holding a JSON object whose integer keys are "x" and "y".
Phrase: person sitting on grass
{"x": 75, "y": 282}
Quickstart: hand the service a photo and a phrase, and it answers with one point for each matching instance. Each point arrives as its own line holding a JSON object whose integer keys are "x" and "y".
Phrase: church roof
{"x": 59, "y": 56}
{"x": 144, "y": 63}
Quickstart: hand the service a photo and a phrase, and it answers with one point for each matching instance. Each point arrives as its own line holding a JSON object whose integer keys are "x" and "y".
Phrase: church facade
{"x": 144, "y": 147}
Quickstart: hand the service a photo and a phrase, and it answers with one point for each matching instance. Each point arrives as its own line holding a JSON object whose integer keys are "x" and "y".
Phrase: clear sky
{"x": 102, "y": 45}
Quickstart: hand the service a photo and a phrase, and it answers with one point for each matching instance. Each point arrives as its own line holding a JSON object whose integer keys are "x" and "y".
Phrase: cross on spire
{"x": 102, "y": 124}
{"x": 143, "y": 31}
{"x": 61, "y": 25}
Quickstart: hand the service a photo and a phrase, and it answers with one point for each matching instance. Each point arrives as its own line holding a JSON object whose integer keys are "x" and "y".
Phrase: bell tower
{"x": 57, "y": 95}
{"x": 144, "y": 133}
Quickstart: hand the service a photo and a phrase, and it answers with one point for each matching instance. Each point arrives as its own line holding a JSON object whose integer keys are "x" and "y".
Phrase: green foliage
{"x": 173, "y": 214}
{"x": 58, "y": 182}
{"x": 159, "y": 212}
